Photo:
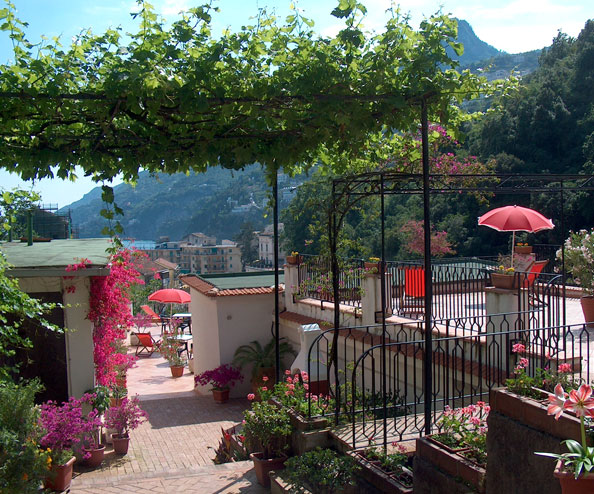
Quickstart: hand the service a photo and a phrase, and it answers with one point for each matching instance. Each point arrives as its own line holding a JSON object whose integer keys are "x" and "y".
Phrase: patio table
{"x": 186, "y": 321}
{"x": 183, "y": 340}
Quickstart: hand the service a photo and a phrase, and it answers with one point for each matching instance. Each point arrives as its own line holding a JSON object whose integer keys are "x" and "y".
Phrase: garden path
{"x": 171, "y": 452}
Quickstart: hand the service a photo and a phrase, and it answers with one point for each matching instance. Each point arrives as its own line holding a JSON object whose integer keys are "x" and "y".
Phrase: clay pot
{"x": 523, "y": 249}
{"x": 505, "y": 281}
{"x": 587, "y": 302}
{"x": 120, "y": 443}
{"x": 177, "y": 370}
{"x": 294, "y": 260}
{"x": 97, "y": 455}
{"x": 220, "y": 395}
{"x": 264, "y": 466}
{"x": 60, "y": 476}
{"x": 584, "y": 484}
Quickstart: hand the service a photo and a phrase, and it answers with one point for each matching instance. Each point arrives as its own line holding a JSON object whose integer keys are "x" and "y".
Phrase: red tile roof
{"x": 210, "y": 290}
{"x": 165, "y": 264}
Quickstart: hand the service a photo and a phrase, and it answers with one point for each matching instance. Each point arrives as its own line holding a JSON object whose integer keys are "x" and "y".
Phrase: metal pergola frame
{"x": 390, "y": 182}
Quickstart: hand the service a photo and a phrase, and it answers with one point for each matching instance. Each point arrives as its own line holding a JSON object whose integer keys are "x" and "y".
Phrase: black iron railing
{"x": 315, "y": 280}
{"x": 470, "y": 356}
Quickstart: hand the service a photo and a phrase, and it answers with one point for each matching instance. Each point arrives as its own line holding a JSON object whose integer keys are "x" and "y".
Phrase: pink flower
{"x": 264, "y": 388}
{"x": 480, "y": 404}
{"x": 519, "y": 348}
{"x": 290, "y": 380}
{"x": 475, "y": 421}
{"x": 264, "y": 378}
{"x": 288, "y": 393}
{"x": 305, "y": 386}
{"x": 564, "y": 368}
{"x": 287, "y": 372}
{"x": 251, "y": 396}
{"x": 580, "y": 402}
{"x": 557, "y": 402}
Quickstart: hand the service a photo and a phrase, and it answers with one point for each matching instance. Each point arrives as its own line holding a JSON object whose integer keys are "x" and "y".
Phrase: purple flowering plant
{"x": 66, "y": 425}
{"x": 125, "y": 417}
{"x": 223, "y": 377}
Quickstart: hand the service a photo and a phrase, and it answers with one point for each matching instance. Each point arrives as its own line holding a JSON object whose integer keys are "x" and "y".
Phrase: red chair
{"x": 156, "y": 318}
{"x": 412, "y": 299}
{"x": 530, "y": 277}
{"x": 146, "y": 344}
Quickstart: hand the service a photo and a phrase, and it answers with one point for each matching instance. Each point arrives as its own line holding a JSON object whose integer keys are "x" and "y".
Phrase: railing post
{"x": 428, "y": 368}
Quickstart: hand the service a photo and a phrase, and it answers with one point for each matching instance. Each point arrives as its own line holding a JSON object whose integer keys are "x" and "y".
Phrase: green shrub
{"x": 322, "y": 471}
{"x": 22, "y": 464}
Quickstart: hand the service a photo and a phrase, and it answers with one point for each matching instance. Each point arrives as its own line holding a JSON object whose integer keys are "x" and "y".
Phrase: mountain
{"x": 474, "y": 48}
{"x": 216, "y": 203}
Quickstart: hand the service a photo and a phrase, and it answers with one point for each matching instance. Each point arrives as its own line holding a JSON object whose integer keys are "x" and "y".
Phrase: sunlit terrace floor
{"x": 171, "y": 452}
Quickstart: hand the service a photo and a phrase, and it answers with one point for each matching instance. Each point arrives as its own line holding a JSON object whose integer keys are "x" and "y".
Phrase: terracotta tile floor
{"x": 172, "y": 451}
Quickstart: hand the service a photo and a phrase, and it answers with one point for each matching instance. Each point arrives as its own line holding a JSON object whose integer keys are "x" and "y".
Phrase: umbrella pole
{"x": 513, "y": 244}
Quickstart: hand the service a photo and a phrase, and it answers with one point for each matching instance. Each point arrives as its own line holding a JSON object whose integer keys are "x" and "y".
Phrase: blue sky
{"x": 509, "y": 25}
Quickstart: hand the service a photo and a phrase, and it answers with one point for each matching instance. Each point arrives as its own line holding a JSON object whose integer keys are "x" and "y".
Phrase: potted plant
{"x": 373, "y": 265}
{"x": 169, "y": 350}
{"x": 305, "y": 472}
{"x": 579, "y": 262}
{"x": 503, "y": 277}
{"x": 294, "y": 258}
{"x": 124, "y": 418}
{"x": 118, "y": 393}
{"x": 266, "y": 430}
{"x": 221, "y": 379}
{"x": 262, "y": 359}
{"x": 94, "y": 450}
{"x": 64, "y": 427}
{"x": 573, "y": 468}
{"x": 523, "y": 248}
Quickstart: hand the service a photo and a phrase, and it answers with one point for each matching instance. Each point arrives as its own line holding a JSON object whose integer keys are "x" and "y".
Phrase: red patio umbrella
{"x": 515, "y": 219}
{"x": 170, "y": 296}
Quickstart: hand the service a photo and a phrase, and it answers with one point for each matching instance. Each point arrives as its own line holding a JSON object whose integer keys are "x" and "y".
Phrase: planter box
{"x": 451, "y": 463}
{"x": 504, "y": 281}
{"x": 378, "y": 478}
{"x": 308, "y": 434}
{"x": 519, "y": 426}
{"x": 533, "y": 413}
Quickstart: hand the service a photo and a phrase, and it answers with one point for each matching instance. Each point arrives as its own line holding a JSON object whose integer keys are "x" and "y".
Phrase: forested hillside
{"x": 546, "y": 127}
{"x": 174, "y": 205}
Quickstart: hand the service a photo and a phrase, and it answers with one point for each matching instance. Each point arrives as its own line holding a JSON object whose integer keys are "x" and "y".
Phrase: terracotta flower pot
{"x": 587, "y": 302}
{"x": 221, "y": 395}
{"x": 120, "y": 443}
{"x": 177, "y": 370}
{"x": 505, "y": 281}
{"x": 60, "y": 476}
{"x": 523, "y": 249}
{"x": 294, "y": 260}
{"x": 97, "y": 455}
{"x": 264, "y": 466}
{"x": 584, "y": 484}
{"x": 115, "y": 402}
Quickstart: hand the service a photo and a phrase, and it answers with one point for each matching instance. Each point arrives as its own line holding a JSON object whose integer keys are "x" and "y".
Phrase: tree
{"x": 248, "y": 244}
{"x": 14, "y": 205}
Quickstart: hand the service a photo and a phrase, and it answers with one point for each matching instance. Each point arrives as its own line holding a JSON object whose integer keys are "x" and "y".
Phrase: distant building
{"x": 266, "y": 246}
{"x": 199, "y": 253}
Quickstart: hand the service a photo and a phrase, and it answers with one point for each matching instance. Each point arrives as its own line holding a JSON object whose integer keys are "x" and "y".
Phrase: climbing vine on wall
{"x": 110, "y": 313}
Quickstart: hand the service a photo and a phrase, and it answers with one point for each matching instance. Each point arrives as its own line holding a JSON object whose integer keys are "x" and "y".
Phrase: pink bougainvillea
{"x": 110, "y": 312}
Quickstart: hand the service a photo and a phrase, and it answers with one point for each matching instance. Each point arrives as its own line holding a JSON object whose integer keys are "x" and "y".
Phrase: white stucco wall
{"x": 79, "y": 338}
{"x": 221, "y": 324}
